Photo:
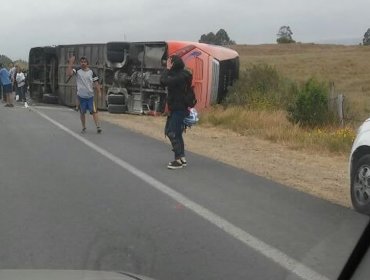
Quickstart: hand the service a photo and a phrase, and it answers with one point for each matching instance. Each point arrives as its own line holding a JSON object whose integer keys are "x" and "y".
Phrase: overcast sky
{"x": 31, "y": 23}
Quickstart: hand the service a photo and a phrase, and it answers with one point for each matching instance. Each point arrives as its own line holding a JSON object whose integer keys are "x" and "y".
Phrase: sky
{"x": 33, "y": 23}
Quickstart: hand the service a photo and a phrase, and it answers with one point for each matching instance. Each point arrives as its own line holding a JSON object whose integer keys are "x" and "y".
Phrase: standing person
{"x": 20, "y": 80}
{"x": 12, "y": 74}
{"x": 6, "y": 84}
{"x": 175, "y": 79}
{"x": 86, "y": 79}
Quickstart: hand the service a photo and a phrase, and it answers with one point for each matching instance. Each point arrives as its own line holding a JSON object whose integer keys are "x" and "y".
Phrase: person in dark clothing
{"x": 175, "y": 79}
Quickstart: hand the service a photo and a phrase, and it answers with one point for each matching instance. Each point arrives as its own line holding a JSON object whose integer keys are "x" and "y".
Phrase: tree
{"x": 221, "y": 38}
{"x": 5, "y": 60}
{"x": 366, "y": 39}
{"x": 210, "y": 38}
{"x": 285, "y": 35}
{"x": 21, "y": 63}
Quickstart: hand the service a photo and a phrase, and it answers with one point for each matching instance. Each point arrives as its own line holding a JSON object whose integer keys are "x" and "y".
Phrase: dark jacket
{"x": 175, "y": 80}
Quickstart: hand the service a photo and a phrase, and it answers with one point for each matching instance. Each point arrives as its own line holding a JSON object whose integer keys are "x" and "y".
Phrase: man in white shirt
{"x": 86, "y": 79}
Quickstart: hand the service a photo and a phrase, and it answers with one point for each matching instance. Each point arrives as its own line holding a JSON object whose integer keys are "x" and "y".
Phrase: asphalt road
{"x": 108, "y": 202}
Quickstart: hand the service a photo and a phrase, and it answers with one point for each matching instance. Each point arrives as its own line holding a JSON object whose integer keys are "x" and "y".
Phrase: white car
{"x": 360, "y": 169}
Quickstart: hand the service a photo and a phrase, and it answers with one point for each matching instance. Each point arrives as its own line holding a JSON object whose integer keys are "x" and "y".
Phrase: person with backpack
{"x": 176, "y": 79}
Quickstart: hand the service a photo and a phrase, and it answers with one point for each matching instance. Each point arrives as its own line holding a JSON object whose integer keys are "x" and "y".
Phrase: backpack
{"x": 189, "y": 94}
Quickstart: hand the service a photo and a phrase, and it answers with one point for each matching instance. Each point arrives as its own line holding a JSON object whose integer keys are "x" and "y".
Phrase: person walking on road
{"x": 86, "y": 79}
{"x": 6, "y": 83}
{"x": 175, "y": 79}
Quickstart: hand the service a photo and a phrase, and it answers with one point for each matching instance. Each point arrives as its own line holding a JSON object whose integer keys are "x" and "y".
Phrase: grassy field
{"x": 348, "y": 67}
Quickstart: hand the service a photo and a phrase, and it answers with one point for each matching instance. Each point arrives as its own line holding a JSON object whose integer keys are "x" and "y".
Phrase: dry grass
{"x": 245, "y": 121}
{"x": 274, "y": 126}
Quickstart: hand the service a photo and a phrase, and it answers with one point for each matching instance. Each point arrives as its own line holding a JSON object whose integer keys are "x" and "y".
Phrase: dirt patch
{"x": 324, "y": 176}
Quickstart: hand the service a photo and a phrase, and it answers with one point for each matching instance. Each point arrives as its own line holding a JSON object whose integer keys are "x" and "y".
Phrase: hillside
{"x": 346, "y": 66}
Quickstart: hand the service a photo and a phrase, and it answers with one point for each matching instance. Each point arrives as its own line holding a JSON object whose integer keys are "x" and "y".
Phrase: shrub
{"x": 261, "y": 87}
{"x": 311, "y": 105}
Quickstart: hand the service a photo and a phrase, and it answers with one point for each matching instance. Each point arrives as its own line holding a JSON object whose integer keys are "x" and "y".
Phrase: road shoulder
{"x": 323, "y": 176}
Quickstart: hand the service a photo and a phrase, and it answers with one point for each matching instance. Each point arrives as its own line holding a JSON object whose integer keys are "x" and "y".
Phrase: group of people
{"x": 175, "y": 78}
{"x": 13, "y": 84}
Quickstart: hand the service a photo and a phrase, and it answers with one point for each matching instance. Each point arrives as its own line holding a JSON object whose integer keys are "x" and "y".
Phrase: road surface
{"x": 108, "y": 202}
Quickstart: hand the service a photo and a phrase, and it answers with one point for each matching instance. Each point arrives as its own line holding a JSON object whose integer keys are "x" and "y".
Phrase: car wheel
{"x": 360, "y": 185}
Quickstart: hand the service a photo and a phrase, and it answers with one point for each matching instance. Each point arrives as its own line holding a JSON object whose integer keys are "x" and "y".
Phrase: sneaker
{"x": 176, "y": 164}
{"x": 83, "y": 131}
{"x": 183, "y": 161}
{"x": 7, "y": 105}
{"x": 98, "y": 130}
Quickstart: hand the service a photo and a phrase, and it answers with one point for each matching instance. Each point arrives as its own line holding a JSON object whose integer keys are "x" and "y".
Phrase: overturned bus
{"x": 130, "y": 73}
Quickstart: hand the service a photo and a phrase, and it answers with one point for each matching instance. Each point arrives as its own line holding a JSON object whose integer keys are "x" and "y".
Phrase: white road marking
{"x": 263, "y": 248}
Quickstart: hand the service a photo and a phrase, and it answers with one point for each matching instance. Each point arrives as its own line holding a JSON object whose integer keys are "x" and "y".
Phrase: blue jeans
{"x": 173, "y": 130}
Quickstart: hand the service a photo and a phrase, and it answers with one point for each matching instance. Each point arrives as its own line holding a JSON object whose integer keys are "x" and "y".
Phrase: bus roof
{"x": 218, "y": 52}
